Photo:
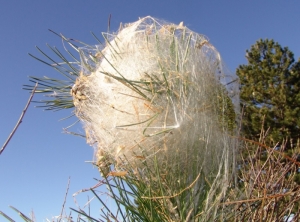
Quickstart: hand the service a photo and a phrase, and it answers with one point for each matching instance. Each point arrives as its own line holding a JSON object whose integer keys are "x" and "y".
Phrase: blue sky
{"x": 36, "y": 165}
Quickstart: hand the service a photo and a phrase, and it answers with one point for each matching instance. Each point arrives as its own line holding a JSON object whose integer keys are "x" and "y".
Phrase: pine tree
{"x": 270, "y": 93}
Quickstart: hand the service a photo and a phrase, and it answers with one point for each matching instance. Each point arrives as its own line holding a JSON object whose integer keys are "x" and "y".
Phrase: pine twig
{"x": 20, "y": 119}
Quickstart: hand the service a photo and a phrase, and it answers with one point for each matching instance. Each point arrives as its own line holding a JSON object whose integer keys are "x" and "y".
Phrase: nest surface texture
{"x": 157, "y": 88}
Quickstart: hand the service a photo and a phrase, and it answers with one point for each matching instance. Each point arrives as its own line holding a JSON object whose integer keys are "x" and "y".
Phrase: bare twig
{"x": 20, "y": 119}
{"x": 63, "y": 206}
{"x": 260, "y": 198}
{"x": 272, "y": 149}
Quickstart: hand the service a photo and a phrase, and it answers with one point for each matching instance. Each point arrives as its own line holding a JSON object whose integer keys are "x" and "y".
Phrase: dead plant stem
{"x": 20, "y": 119}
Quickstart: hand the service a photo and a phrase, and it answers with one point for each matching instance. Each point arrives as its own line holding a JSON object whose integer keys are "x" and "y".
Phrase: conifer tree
{"x": 270, "y": 93}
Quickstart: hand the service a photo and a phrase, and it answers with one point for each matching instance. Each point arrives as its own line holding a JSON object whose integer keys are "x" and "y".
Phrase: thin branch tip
{"x": 20, "y": 119}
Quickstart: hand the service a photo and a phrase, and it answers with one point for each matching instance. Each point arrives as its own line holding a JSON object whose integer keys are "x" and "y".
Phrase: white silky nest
{"x": 157, "y": 89}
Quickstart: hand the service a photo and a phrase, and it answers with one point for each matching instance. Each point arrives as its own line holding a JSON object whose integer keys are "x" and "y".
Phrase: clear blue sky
{"x": 36, "y": 165}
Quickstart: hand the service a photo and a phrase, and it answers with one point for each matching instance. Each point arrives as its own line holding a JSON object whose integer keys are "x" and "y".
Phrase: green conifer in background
{"x": 270, "y": 93}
